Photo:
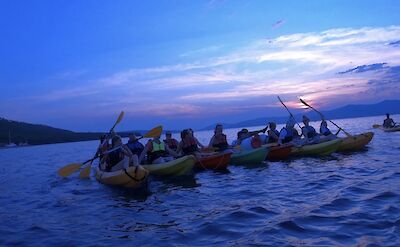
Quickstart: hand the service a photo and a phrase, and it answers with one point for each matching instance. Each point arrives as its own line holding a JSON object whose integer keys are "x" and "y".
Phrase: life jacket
{"x": 189, "y": 145}
{"x": 220, "y": 142}
{"x": 325, "y": 131}
{"x": 310, "y": 131}
{"x": 256, "y": 142}
{"x": 172, "y": 143}
{"x": 114, "y": 158}
{"x": 136, "y": 147}
{"x": 272, "y": 139}
{"x": 290, "y": 134}
{"x": 157, "y": 151}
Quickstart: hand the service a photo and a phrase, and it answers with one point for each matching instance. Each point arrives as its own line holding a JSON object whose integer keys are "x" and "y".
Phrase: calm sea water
{"x": 341, "y": 200}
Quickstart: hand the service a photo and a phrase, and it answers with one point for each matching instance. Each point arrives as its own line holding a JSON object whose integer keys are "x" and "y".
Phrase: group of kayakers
{"x": 157, "y": 151}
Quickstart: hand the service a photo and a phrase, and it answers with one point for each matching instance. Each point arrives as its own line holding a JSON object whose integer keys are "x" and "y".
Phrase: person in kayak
{"x": 171, "y": 142}
{"x": 388, "y": 122}
{"x": 114, "y": 158}
{"x": 103, "y": 146}
{"x": 189, "y": 144}
{"x": 134, "y": 145}
{"x": 288, "y": 133}
{"x": 273, "y": 134}
{"x": 157, "y": 152}
{"x": 250, "y": 137}
{"x": 218, "y": 140}
{"x": 308, "y": 131}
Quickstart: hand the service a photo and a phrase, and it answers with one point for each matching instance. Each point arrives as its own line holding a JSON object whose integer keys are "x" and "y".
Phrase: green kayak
{"x": 178, "y": 167}
{"x": 247, "y": 157}
{"x": 324, "y": 148}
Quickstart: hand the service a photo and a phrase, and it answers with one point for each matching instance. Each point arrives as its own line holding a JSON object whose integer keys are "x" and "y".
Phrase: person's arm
{"x": 179, "y": 148}
{"x": 170, "y": 151}
{"x": 145, "y": 150}
{"x": 282, "y": 136}
{"x": 199, "y": 143}
{"x": 211, "y": 142}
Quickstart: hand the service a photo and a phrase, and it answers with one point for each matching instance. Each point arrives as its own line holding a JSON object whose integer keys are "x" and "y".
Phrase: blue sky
{"x": 76, "y": 64}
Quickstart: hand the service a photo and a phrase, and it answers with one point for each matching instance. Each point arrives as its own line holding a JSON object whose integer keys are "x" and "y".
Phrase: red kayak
{"x": 279, "y": 152}
{"x": 217, "y": 161}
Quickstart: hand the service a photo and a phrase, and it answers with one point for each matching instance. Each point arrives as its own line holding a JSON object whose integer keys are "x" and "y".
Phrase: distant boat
{"x": 10, "y": 145}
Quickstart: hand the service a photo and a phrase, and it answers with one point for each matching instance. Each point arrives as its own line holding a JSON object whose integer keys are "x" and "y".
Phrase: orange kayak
{"x": 218, "y": 161}
{"x": 279, "y": 152}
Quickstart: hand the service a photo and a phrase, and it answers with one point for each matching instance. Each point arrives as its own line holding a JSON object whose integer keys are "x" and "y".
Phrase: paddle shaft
{"x": 323, "y": 117}
{"x": 289, "y": 112}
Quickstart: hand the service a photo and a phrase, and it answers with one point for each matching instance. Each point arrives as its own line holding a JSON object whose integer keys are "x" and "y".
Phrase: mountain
{"x": 349, "y": 111}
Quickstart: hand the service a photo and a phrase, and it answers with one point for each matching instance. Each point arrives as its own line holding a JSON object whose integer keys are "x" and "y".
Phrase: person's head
{"x": 218, "y": 129}
{"x": 134, "y": 137}
{"x": 290, "y": 123}
{"x": 185, "y": 133}
{"x": 242, "y": 132}
{"x": 116, "y": 141}
{"x": 272, "y": 125}
{"x": 306, "y": 120}
{"x": 168, "y": 135}
{"x": 387, "y": 115}
{"x": 324, "y": 123}
{"x": 102, "y": 138}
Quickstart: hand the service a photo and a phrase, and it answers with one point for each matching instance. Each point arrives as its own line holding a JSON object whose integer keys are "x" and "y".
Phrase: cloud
{"x": 325, "y": 67}
{"x": 365, "y": 68}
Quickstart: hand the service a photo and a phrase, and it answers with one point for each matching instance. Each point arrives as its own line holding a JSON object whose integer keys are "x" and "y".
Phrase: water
{"x": 341, "y": 200}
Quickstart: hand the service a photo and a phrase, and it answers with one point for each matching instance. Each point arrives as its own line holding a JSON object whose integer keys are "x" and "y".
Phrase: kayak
{"x": 219, "y": 161}
{"x": 280, "y": 152}
{"x": 324, "y": 148}
{"x": 246, "y": 157}
{"x": 177, "y": 167}
{"x": 131, "y": 177}
{"x": 356, "y": 142}
{"x": 393, "y": 129}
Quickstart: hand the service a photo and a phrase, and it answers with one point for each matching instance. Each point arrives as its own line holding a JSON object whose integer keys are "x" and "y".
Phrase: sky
{"x": 76, "y": 64}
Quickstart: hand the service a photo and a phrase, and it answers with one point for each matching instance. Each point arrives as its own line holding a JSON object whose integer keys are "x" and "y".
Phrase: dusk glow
{"x": 77, "y": 64}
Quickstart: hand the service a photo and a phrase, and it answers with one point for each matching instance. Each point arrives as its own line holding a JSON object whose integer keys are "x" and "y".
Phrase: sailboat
{"x": 10, "y": 145}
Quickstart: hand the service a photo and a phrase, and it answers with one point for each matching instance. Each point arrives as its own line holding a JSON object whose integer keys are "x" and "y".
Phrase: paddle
{"x": 85, "y": 173}
{"x": 289, "y": 112}
{"x": 322, "y": 116}
{"x": 71, "y": 168}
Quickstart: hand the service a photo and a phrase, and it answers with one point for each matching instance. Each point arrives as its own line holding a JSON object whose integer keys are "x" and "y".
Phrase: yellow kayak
{"x": 324, "y": 148}
{"x": 356, "y": 142}
{"x": 132, "y": 177}
{"x": 178, "y": 167}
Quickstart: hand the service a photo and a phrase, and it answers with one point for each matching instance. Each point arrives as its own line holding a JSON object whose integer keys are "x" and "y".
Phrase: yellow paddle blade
{"x": 68, "y": 169}
{"x": 375, "y": 126}
{"x": 154, "y": 132}
{"x": 85, "y": 172}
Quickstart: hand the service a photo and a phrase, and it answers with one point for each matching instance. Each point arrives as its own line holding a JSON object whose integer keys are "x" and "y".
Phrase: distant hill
{"x": 39, "y": 134}
{"x": 349, "y": 111}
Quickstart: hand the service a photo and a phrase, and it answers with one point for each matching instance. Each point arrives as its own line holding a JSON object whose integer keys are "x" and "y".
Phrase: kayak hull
{"x": 324, "y": 148}
{"x": 219, "y": 161}
{"x": 356, "y": 142}
{"x": 178, "y": 167}
{"x": 280, "y": 152}
{"x": 249, "y": 157}
{"x": 394, "y": 129}
{"x": 131, "y": 177}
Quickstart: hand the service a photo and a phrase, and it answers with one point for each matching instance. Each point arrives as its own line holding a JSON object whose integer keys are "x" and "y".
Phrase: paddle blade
{"x": 68, "y": 169}
{"x": 85, "y": 172}
{"x": 120, "y": 117}
{"x": 305, "y": 103}
{"x": 154, "y": 132}
{"x": 375, "y": 126}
